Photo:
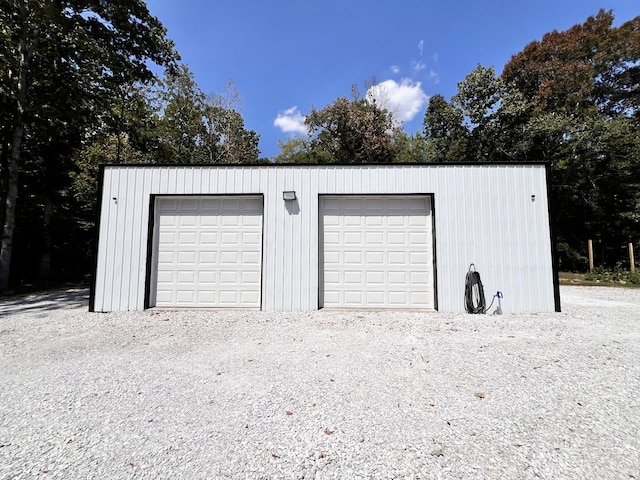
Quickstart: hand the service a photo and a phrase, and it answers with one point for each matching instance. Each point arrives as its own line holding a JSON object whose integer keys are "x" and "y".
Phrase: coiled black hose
{"x": 474, "y": 301}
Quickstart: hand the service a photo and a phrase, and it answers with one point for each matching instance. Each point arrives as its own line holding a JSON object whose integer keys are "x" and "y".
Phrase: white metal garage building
{"x": 303, "y": 237}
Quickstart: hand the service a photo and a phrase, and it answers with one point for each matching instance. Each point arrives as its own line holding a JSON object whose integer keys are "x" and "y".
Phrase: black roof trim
{"x": 280, "y": 165}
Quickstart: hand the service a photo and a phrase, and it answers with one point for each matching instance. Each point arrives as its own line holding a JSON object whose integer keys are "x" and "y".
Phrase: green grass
{"x": 600, "y": 277}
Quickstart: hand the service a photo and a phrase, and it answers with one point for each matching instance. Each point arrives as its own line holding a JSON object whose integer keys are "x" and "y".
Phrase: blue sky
{"x": 287, "y": 56}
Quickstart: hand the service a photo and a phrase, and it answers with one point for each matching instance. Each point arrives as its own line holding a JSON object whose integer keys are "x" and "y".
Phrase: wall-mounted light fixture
{"x": 289, "y": 196}
{"x": 533, "y": 198}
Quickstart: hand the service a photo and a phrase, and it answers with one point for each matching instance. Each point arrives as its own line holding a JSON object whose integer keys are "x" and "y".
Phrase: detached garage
{"x": 304, "y": 237}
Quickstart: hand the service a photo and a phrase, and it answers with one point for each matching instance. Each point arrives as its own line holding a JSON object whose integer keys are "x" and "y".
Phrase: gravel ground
{"x": 320, "y": 395}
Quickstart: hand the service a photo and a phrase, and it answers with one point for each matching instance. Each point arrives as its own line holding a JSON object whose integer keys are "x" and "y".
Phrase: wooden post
{"x": 632, "y": 260}
{"x": 590, "y": 245}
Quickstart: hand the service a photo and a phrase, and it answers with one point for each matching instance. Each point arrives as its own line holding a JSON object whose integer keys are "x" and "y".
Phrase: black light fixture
{"x": 289, "y": 195}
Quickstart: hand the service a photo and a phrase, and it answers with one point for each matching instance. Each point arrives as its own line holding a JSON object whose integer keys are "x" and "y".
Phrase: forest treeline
{"x": 77, "y": 92}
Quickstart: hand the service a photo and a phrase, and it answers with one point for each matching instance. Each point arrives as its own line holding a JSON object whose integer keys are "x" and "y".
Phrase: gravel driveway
{"x": 320, "y": 395}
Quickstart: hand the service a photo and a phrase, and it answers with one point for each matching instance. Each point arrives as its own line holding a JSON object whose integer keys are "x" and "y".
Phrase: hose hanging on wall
{"x": 474, "y": 292}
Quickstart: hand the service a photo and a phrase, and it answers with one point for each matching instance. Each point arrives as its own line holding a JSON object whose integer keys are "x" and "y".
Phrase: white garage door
{"x": 376, "y": 252}
{"x": 209, "y": 251}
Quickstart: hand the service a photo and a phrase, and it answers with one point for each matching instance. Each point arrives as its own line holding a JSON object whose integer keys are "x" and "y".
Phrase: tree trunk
{"x": 45, "y": 258}
{"x": 6, "y": 245}
{"x": 4, "y": 179}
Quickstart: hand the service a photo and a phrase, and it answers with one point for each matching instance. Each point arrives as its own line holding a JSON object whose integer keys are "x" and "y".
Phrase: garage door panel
{"x": 398, "y": 299}
{"x": 373, "y": 221}
{"x": 208, "y": 254}
{"x": 398, "y": 278}
{"x": 185, "y": 297}
{"x": 186, "y": 220}
{"x": 353, "y": 277}
{"x": 207, "y": 277}
{"x": 209, "y": 221}
{"x": 165, "y": 296}
{"x": 374, "y": 238}
{"x": 353, "y": 222}
{"x": 419, "y": 258}
{"x": 397, "y": 258}
{"x": 353, "y": 297}
{"x": 351, "y": 258}
{"x": 396, "y": 221}
{"x": 376, "y": 252}
{"x": 375, "y": 278}
{"x": 397, "y": 238}
{"x": 375, "y": 298}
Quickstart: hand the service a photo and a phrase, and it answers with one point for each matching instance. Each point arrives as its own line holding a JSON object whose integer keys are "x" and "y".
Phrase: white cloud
{"x": 433, "y": 76}
{"x": 395, "y": 69}
{"x": 418, "y": 66}
{"x": 421, "y": 46}
{"x": 291, "y": 121}
{"x": 436, "y": 57}
{"x": 404, "y": 100}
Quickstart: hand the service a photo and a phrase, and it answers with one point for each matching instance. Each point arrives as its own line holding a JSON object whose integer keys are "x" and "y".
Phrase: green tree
{"x": 181, "y": 126}
{"x": 227, "y": 140}
{"x": 589, "y": 66}
{"x": 294, "y": 150}
{"x": 478, "y": 98}
{"x": 580, "y": 87}
{"x": 445, "y": 132}
{"x": 87, "y": 48}
{"x": 351, "y": 132}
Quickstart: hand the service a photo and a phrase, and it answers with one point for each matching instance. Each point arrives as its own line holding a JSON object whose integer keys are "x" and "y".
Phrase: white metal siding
{"x": 207, "y": 252}
{"x": 376, "y": 252}
{"x": 484, "y": 214}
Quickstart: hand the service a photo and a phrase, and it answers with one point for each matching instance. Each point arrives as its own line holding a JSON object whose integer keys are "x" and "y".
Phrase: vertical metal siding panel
{"x": 121, "y": 230}
{"x": 177, "y": 175}
{"x": 498, "y": 224}
{"x": 281, "y": 243}
{"x": 330, "y": 182}
{"x": 186, "y": 177}
{"x": 230, "y": 184}
{"x": 202, "y": 180}
{"x": 221, "y": 180}
{"x": 256, "y": 175}
{"x": 525, "y": 234}
{"x": 269, "y": 284}
{"x": 286, "y": 244}
{"x": 141, "y": 221}
{"x": 128, "y": 205}
{"x": 450, "y": 217}
{"x": 349, "y": 182}
{"x": 246, "y": 180}
{"x": 544, "y": 258}
{"x": 162, "y": 181}
{"x": 112, "y": 233}
{"x": 314, "y": 181}
{"x": 104, "y": 241}
{"x": 305, "y": 237}
{"x": 113, "y": 239}
{"x": 396, "y": 184}
{"x": 450, "y": 209}
{"x": 299, "y": 267}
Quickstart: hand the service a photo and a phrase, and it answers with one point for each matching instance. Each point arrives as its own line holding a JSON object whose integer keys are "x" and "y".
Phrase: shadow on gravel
{"x": 47, "y": 301}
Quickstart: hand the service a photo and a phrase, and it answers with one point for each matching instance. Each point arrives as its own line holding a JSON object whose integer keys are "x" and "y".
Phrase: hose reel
{"x": 474, "y": 301}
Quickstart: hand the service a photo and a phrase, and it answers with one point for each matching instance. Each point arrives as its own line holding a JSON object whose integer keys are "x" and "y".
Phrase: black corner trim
{"x": 150, "y": 241}
{"x": 554, "y": 248}
{"x": 98, "y": 216}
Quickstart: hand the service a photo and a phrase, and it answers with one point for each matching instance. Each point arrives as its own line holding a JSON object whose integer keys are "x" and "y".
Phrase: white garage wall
{"x": 484, "y": 214}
